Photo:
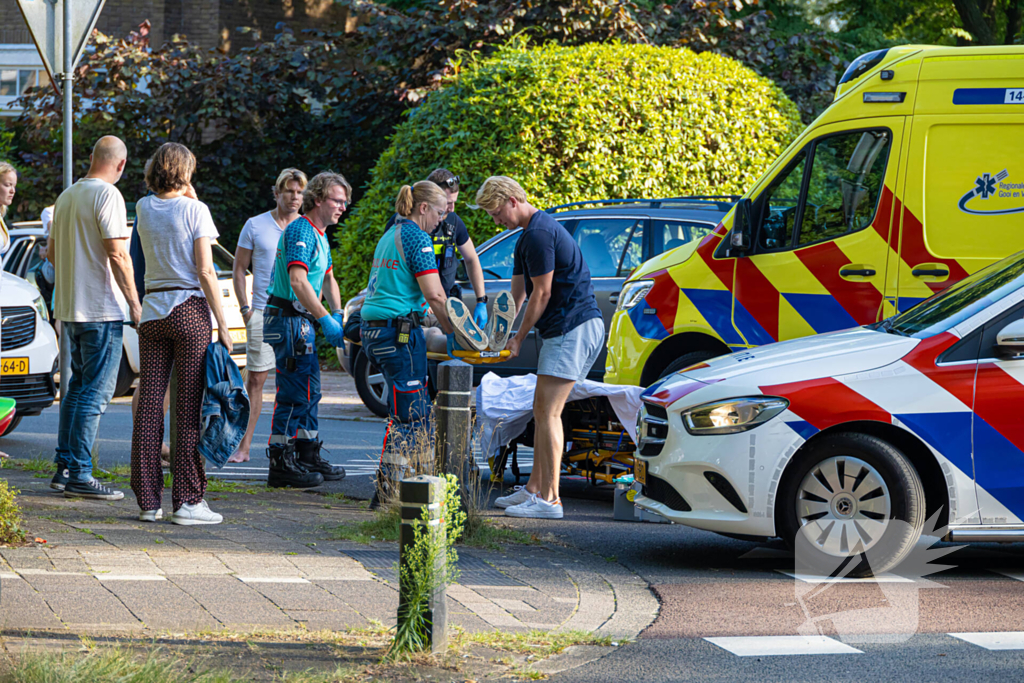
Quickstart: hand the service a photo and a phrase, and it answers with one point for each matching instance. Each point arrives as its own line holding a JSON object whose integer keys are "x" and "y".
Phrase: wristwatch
{"x": 243, "y": 310}
{"x": 481, "y": 299}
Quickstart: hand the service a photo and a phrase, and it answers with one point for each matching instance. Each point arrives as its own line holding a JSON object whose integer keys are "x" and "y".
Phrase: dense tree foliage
{"x": 331, "y": 98}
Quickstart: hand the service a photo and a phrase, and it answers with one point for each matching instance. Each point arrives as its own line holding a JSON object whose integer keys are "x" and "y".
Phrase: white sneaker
{"x": 518, "y": 496}
{"x": 151, "y": 515}
{"x": 200, "y": 513}
{"x": 499, "y": 325}
{"x": 536, "y": 508}
{"x": 467, "y": 332}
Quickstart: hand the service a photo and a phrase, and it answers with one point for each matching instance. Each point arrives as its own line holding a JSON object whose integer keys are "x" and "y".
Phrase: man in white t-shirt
{"x": 94, "y": 281}
{"x": 257, "y": 248}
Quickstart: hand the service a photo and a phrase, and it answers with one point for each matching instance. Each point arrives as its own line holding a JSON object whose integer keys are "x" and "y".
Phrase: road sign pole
{"x": 68, "y": 83}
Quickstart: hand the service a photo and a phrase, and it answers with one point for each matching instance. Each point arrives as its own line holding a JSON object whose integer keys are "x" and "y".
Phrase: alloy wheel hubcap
{"x": 376, "y": 382}
{"x": 843, "y": 505}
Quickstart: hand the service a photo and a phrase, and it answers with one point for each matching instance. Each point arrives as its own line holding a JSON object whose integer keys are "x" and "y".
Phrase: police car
{"x": 847, "y": 443}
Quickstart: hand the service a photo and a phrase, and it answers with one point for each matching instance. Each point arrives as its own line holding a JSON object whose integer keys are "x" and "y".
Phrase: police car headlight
{"x": 633, "y": 293}
{"x": 732, "y": 416}
{"x": 40, "y": 307}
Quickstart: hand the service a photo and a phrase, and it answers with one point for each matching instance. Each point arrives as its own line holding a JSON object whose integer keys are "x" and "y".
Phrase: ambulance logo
{"x": 988, "y": 186}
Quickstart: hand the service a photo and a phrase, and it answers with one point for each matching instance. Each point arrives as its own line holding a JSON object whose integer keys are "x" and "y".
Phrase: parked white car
{"x": 25, "y": 255}
{"x": 827, "y": 441}
{"x": 28, "y": 350}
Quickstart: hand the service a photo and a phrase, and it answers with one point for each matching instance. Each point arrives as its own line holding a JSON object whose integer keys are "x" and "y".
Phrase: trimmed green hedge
{"x": 575, "y": 123}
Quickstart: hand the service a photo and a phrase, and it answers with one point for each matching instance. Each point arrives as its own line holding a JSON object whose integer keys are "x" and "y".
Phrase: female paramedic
{"x": 403, "y": 280}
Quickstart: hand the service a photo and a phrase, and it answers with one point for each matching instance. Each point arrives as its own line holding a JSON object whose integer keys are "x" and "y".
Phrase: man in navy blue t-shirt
{"x": 548, "y": 268}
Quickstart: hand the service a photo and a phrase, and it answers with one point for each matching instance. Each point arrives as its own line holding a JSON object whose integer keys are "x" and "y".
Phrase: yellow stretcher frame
{"x": 473, "y": 357}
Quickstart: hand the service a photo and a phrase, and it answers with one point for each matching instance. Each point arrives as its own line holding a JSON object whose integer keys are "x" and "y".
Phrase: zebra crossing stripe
{"x": 1009, "y": 640}
{"x": 767, "y": 646}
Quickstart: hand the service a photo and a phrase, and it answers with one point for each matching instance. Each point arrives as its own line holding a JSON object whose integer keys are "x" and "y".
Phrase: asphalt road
{"x": 713, "y": 587}
{"x": 728, "y": 611}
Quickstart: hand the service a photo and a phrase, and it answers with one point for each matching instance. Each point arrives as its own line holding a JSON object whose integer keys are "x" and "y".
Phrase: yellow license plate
{"x": 14, "y": 366}
{"x": 640, "y": 471}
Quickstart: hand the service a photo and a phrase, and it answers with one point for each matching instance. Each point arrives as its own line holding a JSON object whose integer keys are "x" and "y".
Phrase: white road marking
{"x": 130, "y": 577}
{"x": 280, "y": 579}
{"x": 767, "y": 646}
{"x": 1009, "y": 640}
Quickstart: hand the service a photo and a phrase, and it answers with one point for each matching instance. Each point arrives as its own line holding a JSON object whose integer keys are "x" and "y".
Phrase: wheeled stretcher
{"x": 598, "y": 422}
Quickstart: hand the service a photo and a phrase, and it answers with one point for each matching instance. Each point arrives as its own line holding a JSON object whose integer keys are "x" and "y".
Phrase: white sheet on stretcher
{"x": 504, "y": 406}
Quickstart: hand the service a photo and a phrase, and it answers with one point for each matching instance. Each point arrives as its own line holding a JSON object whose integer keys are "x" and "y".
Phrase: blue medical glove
{"x": 453, "y": 345}
{"x": 332, "y": 331}
{"x": 480, "y": 314}
{"x": 339, "y": 317}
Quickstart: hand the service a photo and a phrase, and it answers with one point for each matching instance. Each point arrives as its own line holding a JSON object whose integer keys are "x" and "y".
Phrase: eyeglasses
{"x": 451, "y": 182}
{"x": 338, "y": 202}
{"x": 441, "y": 213}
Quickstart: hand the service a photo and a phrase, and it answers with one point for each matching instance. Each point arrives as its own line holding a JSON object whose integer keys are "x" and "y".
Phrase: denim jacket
{"x": 225, "y": 407}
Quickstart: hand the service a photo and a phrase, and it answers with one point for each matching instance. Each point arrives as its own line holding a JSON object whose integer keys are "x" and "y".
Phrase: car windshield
{"x": 958, "y": 303}
{"x": 223, "y": 261}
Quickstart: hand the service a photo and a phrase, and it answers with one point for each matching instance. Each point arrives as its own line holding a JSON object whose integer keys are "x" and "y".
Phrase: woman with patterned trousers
{"x": 181, "y": 291}
{"x": 403, "y": 280}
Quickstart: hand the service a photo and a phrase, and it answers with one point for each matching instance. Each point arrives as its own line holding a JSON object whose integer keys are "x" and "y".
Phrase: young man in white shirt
{"x": 94, "y": 278}
{"x": 257, "y": 248}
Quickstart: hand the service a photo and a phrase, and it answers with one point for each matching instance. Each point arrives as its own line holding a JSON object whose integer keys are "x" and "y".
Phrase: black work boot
{"x": 311, "y": 461}
{"x": 285, "y": 471}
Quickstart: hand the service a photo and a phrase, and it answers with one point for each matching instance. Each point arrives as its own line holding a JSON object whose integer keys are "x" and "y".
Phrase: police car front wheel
{"x": 851, "y": 505}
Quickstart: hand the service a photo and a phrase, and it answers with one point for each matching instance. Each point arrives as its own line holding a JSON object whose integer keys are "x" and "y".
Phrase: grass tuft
{"x": 106, "y": 666}
{"x": 385, "y": 525}
{"x": 538, "y": 643}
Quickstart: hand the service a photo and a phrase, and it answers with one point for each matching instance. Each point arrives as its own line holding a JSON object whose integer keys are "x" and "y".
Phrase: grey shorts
{"x": 259, "y": 355}
{"x": 571, "y": 355}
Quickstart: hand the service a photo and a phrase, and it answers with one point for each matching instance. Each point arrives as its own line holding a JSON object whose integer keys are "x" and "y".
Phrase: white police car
{"x": 828, "y": 440}
{"x": 28, "y": 350}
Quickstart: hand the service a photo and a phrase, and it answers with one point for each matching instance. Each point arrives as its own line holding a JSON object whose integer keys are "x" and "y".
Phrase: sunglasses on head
{"x": 451, "y": 182}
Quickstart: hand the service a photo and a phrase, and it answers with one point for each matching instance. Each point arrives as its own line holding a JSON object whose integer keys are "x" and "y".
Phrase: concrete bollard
{"x": 416, "y": 493}
{"x": 453, "y": 454}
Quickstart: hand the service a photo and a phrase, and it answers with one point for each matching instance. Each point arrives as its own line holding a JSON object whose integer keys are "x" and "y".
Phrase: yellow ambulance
{"x": 910, "y": 180}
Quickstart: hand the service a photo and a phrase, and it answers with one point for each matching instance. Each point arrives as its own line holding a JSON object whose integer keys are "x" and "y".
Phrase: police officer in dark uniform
{"x": 451, "y": 240}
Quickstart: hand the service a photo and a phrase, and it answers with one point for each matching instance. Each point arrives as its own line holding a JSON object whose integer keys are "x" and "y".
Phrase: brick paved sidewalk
{"x": 270, "y": 565}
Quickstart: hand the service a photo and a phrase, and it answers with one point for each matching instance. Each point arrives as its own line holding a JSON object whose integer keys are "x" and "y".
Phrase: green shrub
{"x": 575, "y": 123}
{"x": 10, "y": 515}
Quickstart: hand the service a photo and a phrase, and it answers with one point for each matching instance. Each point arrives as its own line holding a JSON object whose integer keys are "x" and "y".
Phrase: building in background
{"x": 207, "y": 23}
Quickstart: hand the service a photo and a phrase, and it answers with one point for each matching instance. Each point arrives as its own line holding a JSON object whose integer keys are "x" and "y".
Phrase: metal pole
{"x": 415, "y": 494}
{"x": 68, "y": 78}
{"x": 452, "y": 452}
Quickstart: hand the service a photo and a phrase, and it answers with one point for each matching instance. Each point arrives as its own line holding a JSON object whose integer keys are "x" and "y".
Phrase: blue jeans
{"x": 405, "y": 368}
{"x": 95, "y": 358}
{"x": 297, "y": 378}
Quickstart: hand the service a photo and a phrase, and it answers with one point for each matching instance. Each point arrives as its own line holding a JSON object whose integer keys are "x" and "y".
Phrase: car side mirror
{"x": 739, "y": 239}
{"x": 1010, "y": 340}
